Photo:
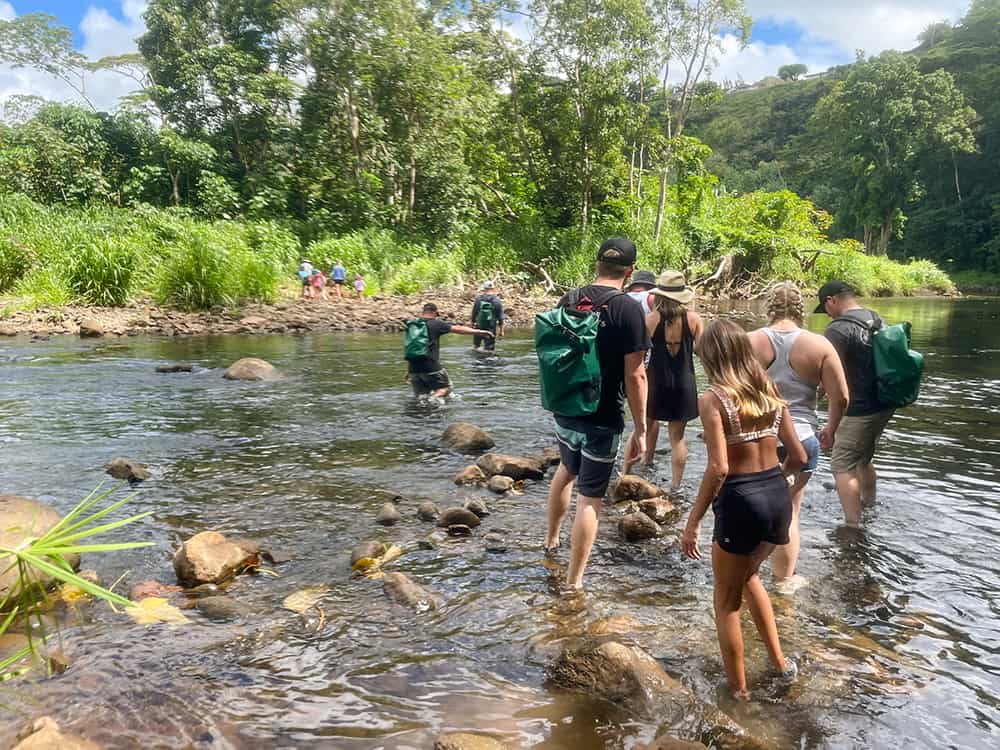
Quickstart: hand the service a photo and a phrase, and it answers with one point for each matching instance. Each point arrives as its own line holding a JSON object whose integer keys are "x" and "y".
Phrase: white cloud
{"x": 104, "y": 35}
{"x": 6, "y": 11}
{"x": 849, "y": 25}
{"x": 759, "y": 60}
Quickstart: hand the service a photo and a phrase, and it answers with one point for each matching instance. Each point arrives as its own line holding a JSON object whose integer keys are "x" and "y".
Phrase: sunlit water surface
{"x": 898, "y": 630}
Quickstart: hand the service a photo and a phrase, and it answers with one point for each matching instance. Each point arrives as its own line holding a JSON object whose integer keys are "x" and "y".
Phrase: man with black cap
{"x": 866, "y": 417}
{"x": 588, "y": 445}
{"x": 638, "y": 289}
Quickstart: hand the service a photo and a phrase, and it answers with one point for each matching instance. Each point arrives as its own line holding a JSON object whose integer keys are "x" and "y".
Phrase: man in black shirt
{"x": 866, "y": 416}
{"x": 426, "y": 374}
{"x": 488, "y": 296}
{"x": 588, "y": 446}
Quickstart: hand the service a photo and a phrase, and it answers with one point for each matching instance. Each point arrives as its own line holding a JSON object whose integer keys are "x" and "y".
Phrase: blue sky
{"x": 818, "y": 33}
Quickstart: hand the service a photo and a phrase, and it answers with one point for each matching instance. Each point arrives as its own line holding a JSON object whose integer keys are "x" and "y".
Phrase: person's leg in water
{"x": 849, "y": 491}
{"x": 867, "y": 483}
{"x": 678, "y": 453}
{"x": 652, "y": 435}
{"x": 560, "y": 496}
{"x": 760, "y": 608}
{"x": 786, "y": 556}
{"x": 585, "y": 523}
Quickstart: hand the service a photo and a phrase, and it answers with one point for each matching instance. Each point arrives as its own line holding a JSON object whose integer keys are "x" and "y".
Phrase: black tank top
{"x": 674, "y": 370}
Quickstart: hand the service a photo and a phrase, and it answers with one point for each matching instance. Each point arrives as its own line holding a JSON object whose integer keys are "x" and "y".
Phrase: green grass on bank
{"x": 51, "y": 256}
{"x": 977, "y": 282}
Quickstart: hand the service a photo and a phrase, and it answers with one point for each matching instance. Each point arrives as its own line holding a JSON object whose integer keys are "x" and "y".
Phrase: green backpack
{"x": 416, "y": 339}
{"x": 898, "y": 368}
{"x": 485, "y": 316}
{"x": 568, "y": 363}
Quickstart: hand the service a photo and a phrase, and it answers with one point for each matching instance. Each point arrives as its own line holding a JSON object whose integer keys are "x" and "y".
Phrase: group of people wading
{"x": 758, "y": 415}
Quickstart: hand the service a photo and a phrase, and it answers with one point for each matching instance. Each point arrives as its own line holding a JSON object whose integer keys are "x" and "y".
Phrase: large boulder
{"x": 637, "y": 527}
{"x": 467, "y": 438}
{"x": 401, "y": 589}
{"x": 127, "y": 469}
{"x": 21, "y": 519}
{"x": 468, "y": 741}
{"x": 470, "y": 475}
{"x": 251, "y": 368}
{"x": 44, "y": 734}
{"x": 631, "y": 487}
{"x": 515, "y": 467}
{"x": 209, "y": 557}
{"x": 91, "y": 328}
{"x": 458, "y": 516}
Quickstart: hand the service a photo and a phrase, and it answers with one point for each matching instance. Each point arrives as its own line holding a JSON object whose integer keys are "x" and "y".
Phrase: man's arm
{"x": 833, "y": 382}
{"x": 475, "y": 311}
{"x": 501, "y": 317}
{"x": 635, "y": 391}
{"x": 469, "y": 331}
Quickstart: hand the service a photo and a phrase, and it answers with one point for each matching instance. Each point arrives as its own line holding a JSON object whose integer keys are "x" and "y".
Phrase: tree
{"x": 792, "y": 72}
{"x": 876, "y": 128}
{"x": 935, "y": 33}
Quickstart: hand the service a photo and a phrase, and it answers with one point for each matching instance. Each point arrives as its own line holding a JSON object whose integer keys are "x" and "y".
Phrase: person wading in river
{"x": 673, "y": 392}
{"x": 588, "y": 445}
{"x": 423, "y": 352}
{"x": 487, "y": 314}
{"x": 866, "y": 418}
{"x": 743, "y": 416}
{"x": 799, "y": 363}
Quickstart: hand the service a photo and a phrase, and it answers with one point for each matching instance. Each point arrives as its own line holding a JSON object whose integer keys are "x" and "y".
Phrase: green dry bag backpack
{"x": 568, "y": 364}
{"x": 416, "y": 339}
{"x": 898, "y": 369}
{"x": 485, "y": 316}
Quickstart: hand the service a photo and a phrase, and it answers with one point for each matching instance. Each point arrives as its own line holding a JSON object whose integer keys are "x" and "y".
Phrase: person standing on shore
{"x": 638, "y": 289}
{"x": 673, "y": 391}
{"x": 487, "y": 315}
{"x": 318, "y": 283}
{"x": 339, "y": 276}
{"x": 588, "y": 445}
{"x": 422, "y": 350}
{"x": 743, "y": 416}
{"x": 857, "y": 436}
{"x": 359, "y": 285}
{"x": 305, "y": 276}
{"x": 799, "y": 363}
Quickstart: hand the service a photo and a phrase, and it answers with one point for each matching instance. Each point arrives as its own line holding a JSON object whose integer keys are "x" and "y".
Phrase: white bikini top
{"x": 736, "y": 434}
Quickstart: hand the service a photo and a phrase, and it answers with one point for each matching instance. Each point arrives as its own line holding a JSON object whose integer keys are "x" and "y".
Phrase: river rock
{"x": 401, "y": 589}
{"x": 456, "y": 515}
{"x": 637, "y": 527}
{"x": 500, "y": 484}
{"x": 209, "y": 557}
{"x": 44, "y": 734}
{"x": 550, "y": 456}
{"x": 478, "y": 507}
{"x": 222, "y": 608}
{"x": 467, "y": 438}
{"x": 460, "y": 529}
{"x": 671, "y": 743}
{"x": 140, "y": 591}
{"x": 21, "y": 519}
{"x": 470, "y": 475}
{"x": 179, "y": 367}
{"x": 657, "y": 508}
{"x": 468, "y": 741}
{"x": 432, "y": 541}
{"x": 127, "y": 469}
{"x": 91, "y": 328}
{"x": 515, "y": 467}
{"x": 428, "y": 511}
{"x": 388, "y": 516}
{"x": 370, "y": 550}
{"x": 251, "y": 368}
{"x": 631, "y": 487}
{"x": 495, "y": 542}
{"x": 614, "y": 625}
{"x": 829, "y": 486}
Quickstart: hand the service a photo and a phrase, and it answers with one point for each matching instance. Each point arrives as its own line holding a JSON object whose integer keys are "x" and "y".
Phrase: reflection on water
{"x": 897, "y": 629}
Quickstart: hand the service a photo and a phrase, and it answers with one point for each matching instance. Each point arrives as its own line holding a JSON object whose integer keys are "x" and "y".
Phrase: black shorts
{"x": 752, "y": 509}
{"x": 428, "y": 382}
{"x": 339, "y": 282}
{"x": 489, "y": 343}
{"x": 588, "y": 452}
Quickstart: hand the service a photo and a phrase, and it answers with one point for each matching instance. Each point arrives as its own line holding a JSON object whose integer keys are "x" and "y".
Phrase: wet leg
{"x": 560, "y": 495}
{"x": 868, "y": 481}
{"x": 652, "y": 435}
{"x": 678, "y": 452}
{"x": 787, "y": 555}
{"x": 849, "y": 490}
{"x": 731, "y": 573}
{"x": 760, "y": 607}
{"x": 584, "y": 533}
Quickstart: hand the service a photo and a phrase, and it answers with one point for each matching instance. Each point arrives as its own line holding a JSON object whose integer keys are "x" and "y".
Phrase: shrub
{"x": 197, "y": 274}
{"x": 14, "y": 262}
{"x": 426, "y": 273}
{"x": 100, "y": 271}
{"x": 42, "y": 287}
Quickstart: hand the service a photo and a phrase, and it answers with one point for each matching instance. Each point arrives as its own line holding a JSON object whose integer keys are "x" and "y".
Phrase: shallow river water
{"x": 898, "y": 628}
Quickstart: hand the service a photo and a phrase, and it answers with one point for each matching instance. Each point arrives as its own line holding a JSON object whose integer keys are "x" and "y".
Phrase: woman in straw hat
{"x": 673, "y": 392}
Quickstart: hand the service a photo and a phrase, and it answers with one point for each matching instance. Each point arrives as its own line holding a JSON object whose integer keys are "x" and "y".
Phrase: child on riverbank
{"x": 359, "y": 285}
{"x": 318, "y": 283}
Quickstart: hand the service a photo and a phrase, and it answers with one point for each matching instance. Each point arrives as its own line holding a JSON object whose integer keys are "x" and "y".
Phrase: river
{"x": 898, "y": 629}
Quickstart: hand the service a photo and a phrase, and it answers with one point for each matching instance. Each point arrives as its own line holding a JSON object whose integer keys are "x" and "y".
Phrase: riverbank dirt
{"x": 388, "y": 313}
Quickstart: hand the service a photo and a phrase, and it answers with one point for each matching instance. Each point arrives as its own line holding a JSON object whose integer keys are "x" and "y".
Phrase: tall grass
{"x": 101, "y": 269}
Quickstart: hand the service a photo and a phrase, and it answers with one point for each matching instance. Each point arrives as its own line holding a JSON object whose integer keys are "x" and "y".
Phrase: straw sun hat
{"x": 672, "y": 285}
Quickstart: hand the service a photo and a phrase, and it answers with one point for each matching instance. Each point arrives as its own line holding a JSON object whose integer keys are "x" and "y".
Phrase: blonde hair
{"x": 729, "y": 361}
{"x": 669, "y": 309}
{"x": 785, "y": 302}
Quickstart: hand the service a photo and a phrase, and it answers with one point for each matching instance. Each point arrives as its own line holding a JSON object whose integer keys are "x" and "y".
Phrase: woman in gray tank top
{"x": 799, "y": 363}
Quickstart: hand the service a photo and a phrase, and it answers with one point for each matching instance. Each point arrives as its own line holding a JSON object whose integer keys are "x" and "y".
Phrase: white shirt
{"x": 643, "y": 299}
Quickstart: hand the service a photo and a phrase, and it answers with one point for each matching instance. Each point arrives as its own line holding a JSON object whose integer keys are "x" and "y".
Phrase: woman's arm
{"x": 715, "y": 472}
{"x": 652, "y": 320}
{"x": 795, "y": 454}
{"x": 695, "y": 324}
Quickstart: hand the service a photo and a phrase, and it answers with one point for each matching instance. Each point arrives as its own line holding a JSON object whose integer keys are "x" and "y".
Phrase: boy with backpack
{"x": 487, "y": 315}
{"x": 422, "y": 351}
{"x": 591, "y": 351}
{"x": 882, "y": 375}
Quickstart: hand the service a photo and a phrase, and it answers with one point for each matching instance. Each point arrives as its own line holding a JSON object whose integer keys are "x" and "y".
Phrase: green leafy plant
{"x": 14, "y": 262}
{"x": 101, "y": 269}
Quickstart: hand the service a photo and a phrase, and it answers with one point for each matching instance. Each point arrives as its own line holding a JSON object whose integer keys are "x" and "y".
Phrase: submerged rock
{"x": 178, "y": 367}
{"x": 631, "y": 487}
{"x": 614, "y": 625}
{"x": 432, "y": 541}
{"x": 428, "y": 511}
{"x": 468, "y": 741}
{"x": 671, "y": 743}
{"x": 460, "y": 529}
{"x": 403, "y": 590}
{"x": 495, "y": 542}
{"x": 515, "y": 467}
{"x": 222, "y": 608}
{"x": 91, "y": 328}
{"x": 500, "y": 484}
{"x": 388, "y": 516}
{"x": 370, "y": 550}
{"x": 478, "y": 507}
{"x": 470, "y": 475}
{"x": 657, "y": 508}
{"x": 20, "y": 519}
{"x": 251, "y": 368}
{"x": 44, "y": 734}
{"x": 453, "y": 516}
{"x": 550, "y": 456}
{"x": 209, "y": 557}
{"x": 140, "y": 591}
{"x": 467, "y": 438}
{"x": 637, "y": 527}
{"x": 127, "y": 469}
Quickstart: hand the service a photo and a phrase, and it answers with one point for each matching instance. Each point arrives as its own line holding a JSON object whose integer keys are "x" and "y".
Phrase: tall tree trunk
{"x": 869, "y": 239}
{"x": 958, "y": 185}
{"x": 884, "y": 235}
{"x": 515, "y": 100}
{"x": 175, "y": 183}
{"x": 412, "y": 201}
{"x": 354, "y": 127}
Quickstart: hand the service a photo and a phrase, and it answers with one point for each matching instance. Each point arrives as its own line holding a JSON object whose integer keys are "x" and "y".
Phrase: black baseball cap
{"x": 617, "y": 250}
{"x": 832, "y": 289}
